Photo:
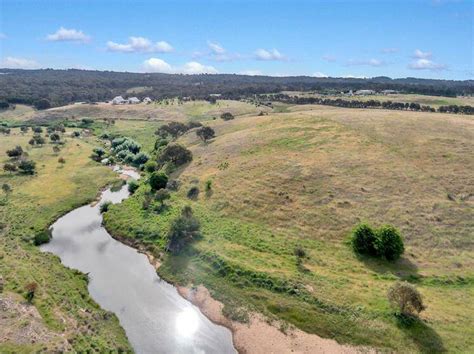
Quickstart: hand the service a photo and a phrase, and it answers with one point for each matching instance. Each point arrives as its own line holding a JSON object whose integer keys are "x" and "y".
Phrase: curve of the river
{"x": 155, "y": 317}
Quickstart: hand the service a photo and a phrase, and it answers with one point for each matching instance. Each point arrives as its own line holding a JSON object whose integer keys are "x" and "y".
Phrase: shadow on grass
{"x": 423, "y": 336}
{"x": 404, "y": 269}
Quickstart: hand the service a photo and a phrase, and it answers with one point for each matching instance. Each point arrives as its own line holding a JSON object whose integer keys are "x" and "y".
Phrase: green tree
{"x": 205, "y": 133}
{"x": 363, "y": 240}
{"x": 42, "y": 104}
{"x": 176, "y": 154}
{"x": 227, "y": 116}
{"x": 161, "y": 196}
{"x": 158, "y": 180}
{"x": 27, "y": 167}
{"x": 389, "y": 243}
{"x": 16, "y": 152}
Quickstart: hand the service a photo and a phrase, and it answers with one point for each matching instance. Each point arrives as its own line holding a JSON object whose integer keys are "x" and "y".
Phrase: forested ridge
{"x": 61, "y": 87}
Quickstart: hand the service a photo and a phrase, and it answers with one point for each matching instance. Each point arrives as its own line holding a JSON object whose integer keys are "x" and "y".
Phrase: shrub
{"x": 208, "y": 185}
{"x": 205, "y": 133}
{"x": 183, "y": 230}
{"x": 405, "y": 299}
{"x": 363, "y": 240}
{"x": 62, "y": 160}
{"x": 227, "y": 116}
{"x": 42, "y": 237}
{"x": 55, "y": 137}
{"x": 9, "y": 167}
{"x": 300, "y": 252}
{"x": 16, "y": 152}
{"x": 97, "y": 154}
{"x": 104, "y": 207}
{"x": 24, "y": 128}
{"x": 193, "y": 193}
{"x": 389, "y": 243}
{"x": 141, "y": 158}
{"x": 27, "y": 167}
{"x": 75, "y": 134}
{"x": 6, "y": 188}
{"x": 132, "y": 186}
{"x": 176, "y": 154}
{"x": 161, "y": 196}
{"x": 30, "y": 291}
{"x": 172, "y": 185}
{"x": 158, "y": 180}
{"x": 150, "y": 166}
{"x": 37, "y": 130}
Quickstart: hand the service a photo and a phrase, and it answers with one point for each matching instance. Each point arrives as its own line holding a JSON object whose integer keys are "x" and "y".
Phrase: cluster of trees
{"x": 385, "y": 242}
{"x": 19, "y": 162}
{"x": 339, "y": 102}
{"x": 175, "y": 129}
{"x": 60, "y": 87}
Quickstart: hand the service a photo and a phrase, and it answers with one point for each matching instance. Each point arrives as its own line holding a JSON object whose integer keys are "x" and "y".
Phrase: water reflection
{"x": 155, "y": 317}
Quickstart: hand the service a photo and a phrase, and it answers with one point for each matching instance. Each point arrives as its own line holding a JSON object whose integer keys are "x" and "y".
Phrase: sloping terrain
{"x": 304, "y": 179}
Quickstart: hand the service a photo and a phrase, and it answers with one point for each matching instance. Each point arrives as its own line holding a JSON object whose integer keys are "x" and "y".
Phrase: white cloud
{"x": 426, "y": 64}
{"x": 19, "y": 63}
{"x": 329, "y": 58}
{"x": 370, "y": 62}
{"x": 389, "y": 50}
{"x": 193, "y": 67}
{"x": 216, "y": 48}
{"x": 251, "y": 72}
{"x": 354, "y": 76}
{"x": 419, "y": 54}
{"x": 68, "y": 35}
{"x": 140, "y": 44}
{"x": 319, "y": 74}
{"x": 157, "y": 65}
{"x": 273, "y": 54}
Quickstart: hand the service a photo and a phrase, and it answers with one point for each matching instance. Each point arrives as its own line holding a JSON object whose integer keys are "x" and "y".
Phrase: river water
{"x": 155, "y": 317}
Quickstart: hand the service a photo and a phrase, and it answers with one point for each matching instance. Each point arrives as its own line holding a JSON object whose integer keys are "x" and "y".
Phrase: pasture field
{"x": 20, "y": 113}
{"x": 63, "y": 317}
{"x": 166, "y": 110}
{"x": 305, "y": 178}
{"x": 433, "y": 101}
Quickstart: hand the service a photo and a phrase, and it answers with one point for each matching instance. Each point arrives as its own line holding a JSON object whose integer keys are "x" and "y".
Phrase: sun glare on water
{"x": 187, "y": 322}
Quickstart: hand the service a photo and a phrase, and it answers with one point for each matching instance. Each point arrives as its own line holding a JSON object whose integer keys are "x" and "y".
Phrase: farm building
{"x": 118, "y": 100}
{"x": 133, "y": 100}
{"x": 147, "y": 100}
{"x": 365, "y": 92}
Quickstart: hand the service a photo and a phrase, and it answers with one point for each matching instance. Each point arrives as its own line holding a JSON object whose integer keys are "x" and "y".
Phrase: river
{"x": 155, "y": 317}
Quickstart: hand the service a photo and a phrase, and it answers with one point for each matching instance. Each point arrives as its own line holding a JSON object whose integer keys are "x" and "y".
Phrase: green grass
{"x": 305, "y": 178}
{"x": 36, "y": 201}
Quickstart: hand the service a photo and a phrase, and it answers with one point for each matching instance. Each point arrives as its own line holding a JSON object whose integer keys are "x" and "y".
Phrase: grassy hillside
{"x": 67, "y": 318}
{"x": 433, "y": 101}
{"x": 163, "y": 111}
{"x": 304, "y": 178}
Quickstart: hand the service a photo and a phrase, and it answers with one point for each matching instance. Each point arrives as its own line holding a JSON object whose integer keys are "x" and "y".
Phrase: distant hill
{"x": 61, "y": 87}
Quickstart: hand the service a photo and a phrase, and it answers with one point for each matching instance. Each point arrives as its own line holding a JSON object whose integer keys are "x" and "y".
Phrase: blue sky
{"x": 429, "y": 38}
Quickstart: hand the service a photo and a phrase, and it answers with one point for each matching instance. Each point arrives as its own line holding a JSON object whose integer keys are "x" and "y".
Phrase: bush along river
{"x": 155, "y": 317}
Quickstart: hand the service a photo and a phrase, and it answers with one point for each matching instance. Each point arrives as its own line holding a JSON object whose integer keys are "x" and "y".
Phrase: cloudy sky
{"x": 417, "y": 38}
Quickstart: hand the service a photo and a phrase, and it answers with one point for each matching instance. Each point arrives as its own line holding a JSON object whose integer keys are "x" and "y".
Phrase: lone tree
{"x": 363, "y": 240}
{"x": 205, "y": 133}
{"x": 405, "y": 299}
{"x": 183, "y": 230}
{"x": 227, "y": 116}
{"x": 389, "y": 243}
{"x": 55, "y": 137}
{"x": 16, "y": 152}
{"x": 176, "y": 154}
{"x": 158, "y": 180}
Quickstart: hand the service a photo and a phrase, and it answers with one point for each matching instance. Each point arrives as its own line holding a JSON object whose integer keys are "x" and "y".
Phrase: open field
{"x": 305, "y": 178}
{"x": 192, "y": 110}
{"x": 63, "y": 317}
{"x": 433, "y": 101}
{"x": 20, "y": 113}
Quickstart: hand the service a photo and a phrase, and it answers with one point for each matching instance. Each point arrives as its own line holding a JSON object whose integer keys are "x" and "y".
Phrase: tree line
{"x": 61, "y": 87}
{"x": 339, "y": 102}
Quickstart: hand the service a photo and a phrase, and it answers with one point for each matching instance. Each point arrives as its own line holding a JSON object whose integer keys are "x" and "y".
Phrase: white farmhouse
{"x": 365, "y": 92}
{"x": 118, "y": 100}
{"x": 133, "y": 100}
